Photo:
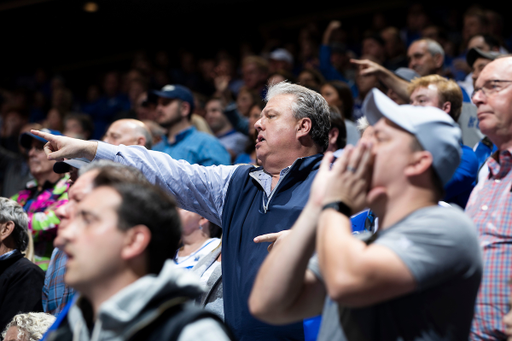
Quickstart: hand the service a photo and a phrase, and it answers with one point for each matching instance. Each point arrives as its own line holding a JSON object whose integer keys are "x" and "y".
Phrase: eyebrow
{"x": 88, "y": 214}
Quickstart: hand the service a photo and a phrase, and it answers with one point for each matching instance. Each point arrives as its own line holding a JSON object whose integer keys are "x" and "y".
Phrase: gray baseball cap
{"x": 435, "y": 130}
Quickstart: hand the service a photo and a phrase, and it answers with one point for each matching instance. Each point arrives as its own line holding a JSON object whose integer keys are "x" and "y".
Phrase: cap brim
{"x": 26, "y": 140}
{"x": 377, "y": 105}
{"x": 65, "y": 166}
{"x": 162, "y": 94}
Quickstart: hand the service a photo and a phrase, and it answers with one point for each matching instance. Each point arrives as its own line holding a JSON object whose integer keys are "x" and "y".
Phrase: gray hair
{"x": 33, "y": 325}
{"x": 131, "y": 174}
{"x": 362, "y": 124}
{"x": 434, "y": 47}
{"x": 308, "y": 104}
{"x": 10, "y": 210}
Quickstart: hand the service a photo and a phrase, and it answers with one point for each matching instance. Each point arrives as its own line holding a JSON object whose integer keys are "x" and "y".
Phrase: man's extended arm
{"x": 392, "y": 81}
{"x": 196, "y": 188}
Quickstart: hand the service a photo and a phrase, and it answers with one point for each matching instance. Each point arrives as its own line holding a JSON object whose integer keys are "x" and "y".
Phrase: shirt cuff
{"x": 105, "y": 151}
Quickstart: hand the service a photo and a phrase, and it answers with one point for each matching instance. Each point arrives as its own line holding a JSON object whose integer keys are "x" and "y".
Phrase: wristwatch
{"x": 339, "y": 206}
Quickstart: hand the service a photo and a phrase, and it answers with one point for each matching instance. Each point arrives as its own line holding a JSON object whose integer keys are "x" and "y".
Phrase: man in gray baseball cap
{"x": 418, "y": 276}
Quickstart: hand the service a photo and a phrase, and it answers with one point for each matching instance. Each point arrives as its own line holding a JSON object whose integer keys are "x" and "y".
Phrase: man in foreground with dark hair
{"x": 417, "y": 277}
{"x": 20, "y": 280}
{"x": 120, "y": 247}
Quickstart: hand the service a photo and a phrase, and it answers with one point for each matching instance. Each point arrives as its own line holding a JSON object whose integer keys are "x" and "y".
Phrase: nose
{"x": 257, "y": 125}
{"x": 478, "y": 97}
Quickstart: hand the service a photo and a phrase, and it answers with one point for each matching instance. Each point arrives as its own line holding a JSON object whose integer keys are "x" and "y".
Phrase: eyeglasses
{"x": 491, "y": 87}
{"x": 38, "y": 147}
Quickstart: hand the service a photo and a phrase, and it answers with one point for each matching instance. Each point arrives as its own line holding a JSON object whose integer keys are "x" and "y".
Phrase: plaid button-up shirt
{"x": 490, "y": 207}
{"x": 56, "y": 294}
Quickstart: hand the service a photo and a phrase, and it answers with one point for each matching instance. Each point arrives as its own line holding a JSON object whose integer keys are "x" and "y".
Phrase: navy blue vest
{"x": 244, "y": 218}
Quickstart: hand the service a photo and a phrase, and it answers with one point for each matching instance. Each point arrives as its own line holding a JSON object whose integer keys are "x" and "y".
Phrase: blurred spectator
{"x": 395, "y": 49}
{"x": 12, "y": 120}
{"x": 62, "y": 99}
{"x": 475, "y": 22}
{"x": 157, "y": 132}
{"x": 245, "y": 100}
{"x": 145, "y": 108}
{"x": 249, "y": 155}
{"x": 366, "y": 81}
{"x": 416, "y": 20}
{"x": 14, "y": 166}
{"x": 338, "y": 95}
{"x": 54, "y": 119}
{"x": 42, "y": 196}
{"x": 280, "y": 59}
{"x": 129, "y": 132}
{"x": 310, "y": 78}
{"x": 374, "y": 47}
{"x": 255, "y": 72}
{"x": 439, "y": 92}
{"x": 281, "y": 76}
{"x": 338, "y": 131}
{"x": 333, "y": 57}
{"x": 20, "y": 280}
{"x": 232, "y": 140}
{"x": 426, "y": 57}
{"x": 183, "y": 141}
{"x": 79, "y": 126}
{"x": 199, "y": 237}
{"x": 105, "y": 108}
{"x": 28, "y": 327}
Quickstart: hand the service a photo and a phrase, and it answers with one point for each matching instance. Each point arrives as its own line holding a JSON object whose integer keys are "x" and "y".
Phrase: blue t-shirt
{"x": 195, "y": 147}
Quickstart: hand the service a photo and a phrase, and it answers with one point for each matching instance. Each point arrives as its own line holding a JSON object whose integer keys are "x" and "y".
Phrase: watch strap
{"x": 339, "y": 206}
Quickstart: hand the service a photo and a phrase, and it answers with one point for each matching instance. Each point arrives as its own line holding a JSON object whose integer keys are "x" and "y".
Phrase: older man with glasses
{"x": 490, "y": 203}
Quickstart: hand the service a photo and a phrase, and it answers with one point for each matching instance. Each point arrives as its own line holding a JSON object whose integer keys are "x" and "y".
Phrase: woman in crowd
{"x": 339, "y": 95}
{"x": 250, "y": 151}
{"x": 199, "y": 237}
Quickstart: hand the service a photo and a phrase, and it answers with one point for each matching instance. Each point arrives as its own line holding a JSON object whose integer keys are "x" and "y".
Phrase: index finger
{"x": 46, "y": 136}
{"x": 267, "y": 238}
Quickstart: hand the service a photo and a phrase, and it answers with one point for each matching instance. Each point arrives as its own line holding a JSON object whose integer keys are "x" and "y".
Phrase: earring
{"x": 200, "y": 226}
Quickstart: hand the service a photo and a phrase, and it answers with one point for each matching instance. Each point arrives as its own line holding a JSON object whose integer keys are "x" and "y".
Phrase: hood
{"x": 138, "y": 304}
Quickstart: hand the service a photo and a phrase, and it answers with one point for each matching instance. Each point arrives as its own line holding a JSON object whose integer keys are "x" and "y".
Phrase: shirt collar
{"x": 499, "y": 169}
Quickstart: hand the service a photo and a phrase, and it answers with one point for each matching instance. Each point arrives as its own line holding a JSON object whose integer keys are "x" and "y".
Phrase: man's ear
{"x": 141, "y": 141}
{"x": 184, "y": 109}
{"x": 304, "y": 126}
{"x": 438, "y": 59}
{"x": 333, "y": 136}
{"x": 446, "y": 107}
{"x": 6, "y": 230}
{"x": 136, "y": 242}
{"x": 420, "y": 163}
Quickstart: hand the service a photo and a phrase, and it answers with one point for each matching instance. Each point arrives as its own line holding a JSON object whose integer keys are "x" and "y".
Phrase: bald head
{"x": 129, "y": 132}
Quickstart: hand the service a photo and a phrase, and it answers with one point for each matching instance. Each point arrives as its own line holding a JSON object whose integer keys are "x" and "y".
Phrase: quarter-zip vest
{"x": 244, "y": 217}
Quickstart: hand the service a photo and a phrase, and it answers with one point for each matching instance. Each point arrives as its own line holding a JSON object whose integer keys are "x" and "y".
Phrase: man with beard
{"x": 175, "y": 107}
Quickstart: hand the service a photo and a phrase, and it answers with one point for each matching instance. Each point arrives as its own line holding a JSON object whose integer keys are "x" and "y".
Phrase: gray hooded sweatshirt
{"x": 127, "y": 312}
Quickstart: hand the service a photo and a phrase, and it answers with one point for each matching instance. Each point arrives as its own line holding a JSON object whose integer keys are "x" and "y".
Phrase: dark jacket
{"x": 244, "y": 217}
{"x": 21, "y": 285}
